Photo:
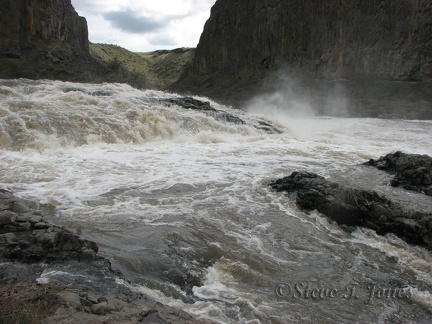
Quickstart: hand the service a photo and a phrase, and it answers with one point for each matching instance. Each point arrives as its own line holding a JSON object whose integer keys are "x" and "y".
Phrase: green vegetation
{"x": 160, "y": 68}
{"x": 107, "y": 63}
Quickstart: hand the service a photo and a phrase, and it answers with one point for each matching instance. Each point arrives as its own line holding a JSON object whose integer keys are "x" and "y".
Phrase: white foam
{"x": 46, "y": 276}
{"x": 415, "y": 258}
{"x": 126, "y": 161}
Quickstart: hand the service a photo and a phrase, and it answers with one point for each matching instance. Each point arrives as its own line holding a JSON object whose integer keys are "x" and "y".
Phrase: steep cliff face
{"x": 388, "y": 39}
{"x": 27, "y": 24}
{"x": 48, "y": 39}
{"x": 358, "y": 40}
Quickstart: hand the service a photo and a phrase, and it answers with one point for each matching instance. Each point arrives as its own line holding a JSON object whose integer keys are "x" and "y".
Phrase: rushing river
{"x": 179, "y": 202}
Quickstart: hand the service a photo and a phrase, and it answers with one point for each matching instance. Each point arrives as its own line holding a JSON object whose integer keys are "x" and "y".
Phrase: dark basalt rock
{"x": 268, "y": 128}
{"x": 362, "y": 47}
{"x": 204, "y": 106}
{"x": 31, "y": 23}
{"x": 24, "y": 236}
{"x": 230, "y": 118}
{"x": 190, "y": 103}
{"x": 336, "y": 39}
{"x": 412, "y": 171}
{"x": 355, "y": 207}
{"x": 36, "y": 256}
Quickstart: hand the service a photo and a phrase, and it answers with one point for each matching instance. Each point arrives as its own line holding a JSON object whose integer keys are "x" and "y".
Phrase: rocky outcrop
{"x": 356, "y": 207}
{"x": 50, "y": 275}
{"x": 244, "y": 40}
{"x": 411, "y": 171}
{"x": 26, "y": 24}
{"x": 25, "y": 236}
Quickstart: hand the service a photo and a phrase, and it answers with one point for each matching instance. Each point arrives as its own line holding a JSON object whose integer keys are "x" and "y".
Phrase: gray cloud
{"x": 130, "y": 21}
{"x": 203, "y": 5}
{"x": 88, "y": 7}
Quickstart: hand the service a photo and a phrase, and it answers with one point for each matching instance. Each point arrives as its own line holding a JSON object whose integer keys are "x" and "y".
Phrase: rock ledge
{"x": 50, "y": 275}
{"x": 356, "y": 207}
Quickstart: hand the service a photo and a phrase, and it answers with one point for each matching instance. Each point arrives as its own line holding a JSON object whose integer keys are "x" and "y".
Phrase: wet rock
{"x": 221, "y": 115}
{"x": 230, "y": 118}
{"x": 5, "y": 194}
{"x": 204, "y": 106}
{"x": 8, "y": 239}
{"x": 411, "y": 171}
{"x": 48, "y": 239}
{"x": 36, "y": 256}
{"x": 268, "y": 128}
{"x": 19, "y": 207}
{"x": 190, "y": 103}
{"x": 101, "y": 309}
{"x": 25, "y": 225}
{"x": 29, "y": 218}
{"x": 5, "y": 204}
{"x": 40, "y": 225}
{"x": 356, "y": 207}
{"x": 7, "y": 217}
{"x": 152, "y": 318}
{"x": 27, "y": 238}
{"x": 87, "y": 254}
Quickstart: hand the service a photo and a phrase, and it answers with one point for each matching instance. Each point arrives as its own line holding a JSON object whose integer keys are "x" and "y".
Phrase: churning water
{"x": 179, "y": 202}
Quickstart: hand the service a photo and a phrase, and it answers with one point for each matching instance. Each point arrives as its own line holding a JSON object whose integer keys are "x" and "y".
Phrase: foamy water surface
{"x": 172, "y": 195}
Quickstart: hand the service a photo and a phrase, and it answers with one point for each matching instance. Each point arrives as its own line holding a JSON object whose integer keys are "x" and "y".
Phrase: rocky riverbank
{"x": 350, "y": 207}
{"x": 48, "y": 274}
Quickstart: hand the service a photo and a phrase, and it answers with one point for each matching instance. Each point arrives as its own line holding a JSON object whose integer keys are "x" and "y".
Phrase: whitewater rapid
{"x": 179, "y": 201}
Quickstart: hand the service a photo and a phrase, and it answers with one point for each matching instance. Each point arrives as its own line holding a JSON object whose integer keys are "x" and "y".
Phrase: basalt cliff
{"x": 48, "y": 39}
{"x": 26, "y": 24}
{"x": 374, "y": 48}
{"x": 43, "y": 39}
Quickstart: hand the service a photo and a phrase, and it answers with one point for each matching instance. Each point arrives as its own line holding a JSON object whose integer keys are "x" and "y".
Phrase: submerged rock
{"x": 356, "y": 207}
{"x": 411, "y": 171}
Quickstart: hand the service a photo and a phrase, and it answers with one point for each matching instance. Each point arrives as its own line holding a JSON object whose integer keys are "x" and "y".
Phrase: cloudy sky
{"x": 145, "y": 25}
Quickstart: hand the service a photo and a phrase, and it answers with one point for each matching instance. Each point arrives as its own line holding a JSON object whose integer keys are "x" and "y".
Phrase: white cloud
{"x": 142, "y": 26}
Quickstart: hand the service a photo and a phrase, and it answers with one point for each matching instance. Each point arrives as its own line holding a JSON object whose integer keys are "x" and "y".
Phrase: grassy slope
{"x": 160, "y": 68}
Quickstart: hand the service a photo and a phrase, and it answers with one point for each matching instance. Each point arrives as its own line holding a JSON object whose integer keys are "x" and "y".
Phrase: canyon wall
{"x": 389, "y": 39}
{"x": 358, "y": 40}
{"x": 27, "y": 24}
{"x": 47, "y": 39}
